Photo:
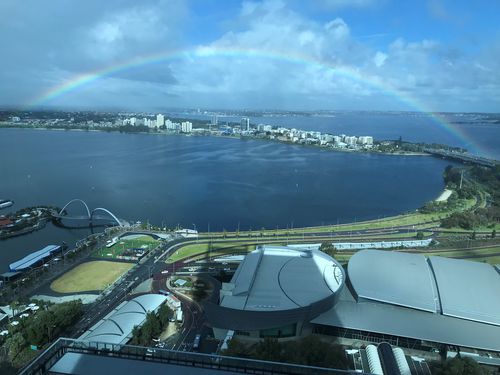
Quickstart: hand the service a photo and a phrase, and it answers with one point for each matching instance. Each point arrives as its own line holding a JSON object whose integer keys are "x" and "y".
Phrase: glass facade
{"x": 285, "y": 331}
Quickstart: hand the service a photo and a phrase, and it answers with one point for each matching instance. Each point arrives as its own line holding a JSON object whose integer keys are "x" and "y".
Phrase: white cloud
{"x": 322, "y": 65}
{"x": 337, "y": 28}
{"x": 119, "y": 33}
{"x": 379, "y": 59}
{"x": 277, "y": 58}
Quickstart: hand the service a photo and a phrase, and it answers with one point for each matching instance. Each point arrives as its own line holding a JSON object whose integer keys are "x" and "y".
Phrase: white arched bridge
{"x": 90, "y": 214}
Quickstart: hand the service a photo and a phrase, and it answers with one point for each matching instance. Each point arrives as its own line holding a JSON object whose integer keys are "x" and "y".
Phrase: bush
{"x": 309, "y": 351}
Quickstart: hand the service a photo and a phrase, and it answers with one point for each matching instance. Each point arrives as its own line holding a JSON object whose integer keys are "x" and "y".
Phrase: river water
{"x": 203, "y": 182}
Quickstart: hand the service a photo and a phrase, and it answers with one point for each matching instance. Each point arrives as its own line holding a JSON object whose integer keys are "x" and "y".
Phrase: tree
{"x": 457, "y": 365}
{"x": 328, "y": 248}
{"x": 164, "y": 314}
{"x": 268, "y": 349}
{"x": 236, "y": 348}
{"x": 15, "y": 345}
{"x": 420, "y": 235}
{"x": 493, "y": 233}
{"x": 150, "y": 329}
{"x": 136, "y": 335}
{"x": 473, "y": 235}
{"x": 312, "y": 351}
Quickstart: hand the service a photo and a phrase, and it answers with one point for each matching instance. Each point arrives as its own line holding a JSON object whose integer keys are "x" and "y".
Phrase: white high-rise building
{"x": 186, "y": 127}
{"x": 366, "y": 140}
{"x": 351, "y": 140}
{"x": 160, "y": 120}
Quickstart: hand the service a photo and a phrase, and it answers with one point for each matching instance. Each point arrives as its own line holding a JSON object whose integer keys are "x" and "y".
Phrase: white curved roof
{"x": 117, "y": 327}
{"x": 281, "y": 278}
{"x": 453, "y": 287}
{"x": 393, "y": 277}
{"x": 404, "y": 369}
{"x": 468, "y": 290}
{"x": 374, "y": 360}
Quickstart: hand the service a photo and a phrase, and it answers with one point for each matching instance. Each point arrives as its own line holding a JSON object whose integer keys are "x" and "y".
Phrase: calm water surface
{"x": 203, "y": 181}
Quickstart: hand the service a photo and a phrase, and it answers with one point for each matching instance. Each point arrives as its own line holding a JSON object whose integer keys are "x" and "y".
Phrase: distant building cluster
{"x": 314, "y": 137}
{"x": 283, "y": 134}
{"x": 159, "y": 121}
{"x": 212, "y": 126}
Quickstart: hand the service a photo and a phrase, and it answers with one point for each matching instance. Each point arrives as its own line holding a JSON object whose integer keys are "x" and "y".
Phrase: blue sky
{"x": 432, "y": 55}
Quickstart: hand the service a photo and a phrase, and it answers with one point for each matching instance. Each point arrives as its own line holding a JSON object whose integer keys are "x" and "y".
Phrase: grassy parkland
{"x": 128, "y": 246}
{"x": 90, "y": 276}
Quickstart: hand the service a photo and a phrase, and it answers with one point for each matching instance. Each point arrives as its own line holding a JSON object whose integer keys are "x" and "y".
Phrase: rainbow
{"x": 81, "y": 80}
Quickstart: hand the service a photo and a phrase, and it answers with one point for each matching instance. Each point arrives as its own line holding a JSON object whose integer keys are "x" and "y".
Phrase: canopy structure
{"x": 33, "y": 258}
{"x": 116, "y": 327}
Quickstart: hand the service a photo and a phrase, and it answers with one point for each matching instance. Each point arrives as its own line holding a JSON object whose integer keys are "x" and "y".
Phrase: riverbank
{"x": 213, "y": 134}
{"x": 443, "y": 197}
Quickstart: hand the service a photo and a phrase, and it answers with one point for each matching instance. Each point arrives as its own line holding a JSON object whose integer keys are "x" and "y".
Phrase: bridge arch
{"x": 106, "y": 211}
{"x": 73, "y": 201}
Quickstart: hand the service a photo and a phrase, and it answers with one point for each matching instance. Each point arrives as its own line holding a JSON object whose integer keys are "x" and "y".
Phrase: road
{"x": 193, "y": 323}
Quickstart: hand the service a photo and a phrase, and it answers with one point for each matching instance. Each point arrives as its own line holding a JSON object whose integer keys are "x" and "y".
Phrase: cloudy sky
{"x": 438, "y": 55}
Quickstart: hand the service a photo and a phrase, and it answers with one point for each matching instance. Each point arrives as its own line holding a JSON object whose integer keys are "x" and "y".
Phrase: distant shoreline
{"x": 113, "y": 130}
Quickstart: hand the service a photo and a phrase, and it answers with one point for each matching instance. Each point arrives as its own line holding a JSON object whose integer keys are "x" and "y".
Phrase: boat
{"x": 4, "y": 203}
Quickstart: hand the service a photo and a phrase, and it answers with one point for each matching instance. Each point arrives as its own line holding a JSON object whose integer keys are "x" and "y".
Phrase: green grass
{"x": 486, "y": 229}
{"x": 491, "y": 260}
{"x": 216, "y": 249}
{"x": 466, "y": 252}
{"x": 90, "y": 276}
{"x": 122, "y": 245}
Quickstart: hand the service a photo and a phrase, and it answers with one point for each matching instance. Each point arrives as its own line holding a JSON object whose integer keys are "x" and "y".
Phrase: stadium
{"x": 275, "y": 292}
{"x": 405, "y": 299}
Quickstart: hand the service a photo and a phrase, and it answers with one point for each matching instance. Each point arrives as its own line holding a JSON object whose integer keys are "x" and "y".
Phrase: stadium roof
{"x": 454, "y": 287}
{"x": 392, "y": 277}
{"x": 396, "y": 295}
{"x": 405, "y": 322}
{"x": 116, "y": 327}
{"x": 33, "y": 258}
{"x": 469, "y": 290}
{"x": 279, "y": 278}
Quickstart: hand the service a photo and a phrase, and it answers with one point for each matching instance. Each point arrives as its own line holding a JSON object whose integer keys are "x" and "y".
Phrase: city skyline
{"x": 333, "y": 55}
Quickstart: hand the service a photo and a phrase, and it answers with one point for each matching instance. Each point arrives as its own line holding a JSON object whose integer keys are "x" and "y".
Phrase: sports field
{"x": 125, "y": 245}
{"x": 90, "y": 276}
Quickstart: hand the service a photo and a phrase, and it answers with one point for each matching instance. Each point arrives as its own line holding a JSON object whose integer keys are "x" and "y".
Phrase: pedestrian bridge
{"x": 91, "y": 215}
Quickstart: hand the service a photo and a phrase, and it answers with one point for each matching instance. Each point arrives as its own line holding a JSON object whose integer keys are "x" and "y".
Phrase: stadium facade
{"x": 275, "y": 292}
{"x": 405, "y": 299}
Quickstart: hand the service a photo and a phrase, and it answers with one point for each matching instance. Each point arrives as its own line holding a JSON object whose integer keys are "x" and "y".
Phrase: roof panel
{"x": 468, "y": 290}
{"x": 393, "y": 277}
{"x": 118, "y": 325}
{"x": 281, "y": 278}
{"x": 405, "y": 322}
{"x": 33, "y": 258}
